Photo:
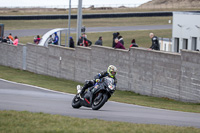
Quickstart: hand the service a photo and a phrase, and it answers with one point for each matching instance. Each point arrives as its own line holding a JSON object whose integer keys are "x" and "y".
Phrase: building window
{"x": 176, "y": 45}
{"x": 185, "y": 43}
{"x": 194, "y": 43}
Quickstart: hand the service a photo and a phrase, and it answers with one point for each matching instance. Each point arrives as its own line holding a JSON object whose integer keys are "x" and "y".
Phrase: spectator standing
{"x": 118, "y": 44}
{"x": 115, "y": 35}
{"x": 86, "y": 42}
{"x": 99, "y": 42}
{"x": 15, "y": 42}
{"x": 83, "y": 29}
{"x": 50, "y": 39}
{"x": 83, "y": 41}
{"x": 121, "y": 40}
{"x": 56, "y": 39}
{"x": 71, "y": 42}
{"x": 80, "y": 40}
{"x": 155, "y": 43}
{"x": 133, "y": 44}
{"x": 10, "y": 37}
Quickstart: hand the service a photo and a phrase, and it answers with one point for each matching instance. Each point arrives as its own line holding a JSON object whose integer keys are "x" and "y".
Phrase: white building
{"x": 186, "y": 31}
{"x": 165, "y": 44}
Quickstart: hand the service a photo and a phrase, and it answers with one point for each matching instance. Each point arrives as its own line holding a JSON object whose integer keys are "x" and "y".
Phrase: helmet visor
{"x": 113, "y": 73}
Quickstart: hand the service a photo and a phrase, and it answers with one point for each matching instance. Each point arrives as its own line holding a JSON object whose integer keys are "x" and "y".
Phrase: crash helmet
{"x": 112, "y": 71}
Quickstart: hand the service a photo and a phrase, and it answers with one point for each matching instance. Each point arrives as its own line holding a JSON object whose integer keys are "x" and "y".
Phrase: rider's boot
{"x": 83, "y": 90}
{"x": 86, "y": 85}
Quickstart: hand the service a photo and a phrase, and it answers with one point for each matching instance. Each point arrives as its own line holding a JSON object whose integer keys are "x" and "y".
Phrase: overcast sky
{"x": 60, "y": 3}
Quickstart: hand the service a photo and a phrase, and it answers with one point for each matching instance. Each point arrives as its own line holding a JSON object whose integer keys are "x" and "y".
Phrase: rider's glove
{"x": 97, "y": 80}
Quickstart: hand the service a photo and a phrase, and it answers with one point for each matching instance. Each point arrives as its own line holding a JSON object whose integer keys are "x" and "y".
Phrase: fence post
{"x": 24, "y": 58}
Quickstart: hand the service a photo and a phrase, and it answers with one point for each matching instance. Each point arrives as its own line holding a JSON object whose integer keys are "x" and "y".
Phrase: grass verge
{"x": 26, "y": 122}
{"x": 102, "y": 22}
{"x": 70, "y": 87}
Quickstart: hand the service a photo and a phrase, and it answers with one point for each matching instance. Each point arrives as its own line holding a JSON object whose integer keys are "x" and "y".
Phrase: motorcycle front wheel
{"x": 97, "y": 104}
{"x": 76, "y": 102}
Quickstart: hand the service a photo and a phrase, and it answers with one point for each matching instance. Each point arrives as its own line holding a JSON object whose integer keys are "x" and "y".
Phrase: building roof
{"x": 188, "y": 12}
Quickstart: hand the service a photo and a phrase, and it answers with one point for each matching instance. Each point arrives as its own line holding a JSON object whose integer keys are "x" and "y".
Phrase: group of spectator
{"x": 83, "y": 41}
{"x": 118, "y": 41}
{"x": 10, "y": 40}
{"x": 51, "y": 40}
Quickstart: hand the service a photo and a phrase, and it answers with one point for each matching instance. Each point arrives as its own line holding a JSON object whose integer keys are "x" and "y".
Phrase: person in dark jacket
{"x": 71, "y": 42}
{"x": 99, "y": 42}
{"x": 118, "y": 44}
{"x": 121, "y": 40}
{"x": 83, "y": 41}
{"x": 4, "y": 39}
{"x": 155, "y": 42}
{"x": 111, "y": 72}
{"x": 115, "y": 35}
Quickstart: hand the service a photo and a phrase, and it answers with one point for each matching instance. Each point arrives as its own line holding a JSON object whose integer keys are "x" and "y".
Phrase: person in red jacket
{"x": 133, "y": 44}
{"x": 118, "y": 44}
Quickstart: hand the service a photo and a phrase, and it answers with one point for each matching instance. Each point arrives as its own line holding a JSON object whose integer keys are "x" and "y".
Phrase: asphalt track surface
{"x": 34, "y": 32}
{"x": 20, "y": 97}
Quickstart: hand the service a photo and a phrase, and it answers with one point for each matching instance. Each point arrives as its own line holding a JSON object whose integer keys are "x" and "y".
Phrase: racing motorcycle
{"x": 96, "y": 96}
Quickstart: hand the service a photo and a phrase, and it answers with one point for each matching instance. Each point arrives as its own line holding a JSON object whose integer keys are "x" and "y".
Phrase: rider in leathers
{"x": 111, "y": 72}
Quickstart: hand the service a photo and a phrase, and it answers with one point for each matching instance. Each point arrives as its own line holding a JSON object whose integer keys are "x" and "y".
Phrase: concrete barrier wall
{"x": 11, "y": 55}
{"x": 190, "y": 76}
{"x": 153, "y": 73}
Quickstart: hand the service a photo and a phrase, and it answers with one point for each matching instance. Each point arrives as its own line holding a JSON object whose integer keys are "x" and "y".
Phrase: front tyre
{"x": 97, "y": 104}
{"x": 76, "y": 102}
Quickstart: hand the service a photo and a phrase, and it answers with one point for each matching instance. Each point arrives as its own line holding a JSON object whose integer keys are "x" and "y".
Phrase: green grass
{"x": 26, "y": 122}
{"x": 38, "y": 80}
{"x": 70, "y": 87}
{"x": 102, "y": 22}
{"x": 141, "y": 37}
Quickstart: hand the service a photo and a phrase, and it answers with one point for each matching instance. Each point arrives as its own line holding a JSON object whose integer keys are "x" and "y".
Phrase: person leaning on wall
{"x": 118, "y": 44}
{"x": 71, "y": 42}
{"x": 99, "y": 41}
{"x": 10, "y": 37}
{"x": 155, "y": 42}
{"x": 15, "y": 42}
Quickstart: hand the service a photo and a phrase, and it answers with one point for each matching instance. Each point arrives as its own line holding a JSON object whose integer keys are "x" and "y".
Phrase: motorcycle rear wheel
{"x": 76, "y": 102}
{"x": 98, "y": 104}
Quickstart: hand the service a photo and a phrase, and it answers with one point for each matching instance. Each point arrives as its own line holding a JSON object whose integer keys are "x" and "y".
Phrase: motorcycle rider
{"x": 111, "y": 72}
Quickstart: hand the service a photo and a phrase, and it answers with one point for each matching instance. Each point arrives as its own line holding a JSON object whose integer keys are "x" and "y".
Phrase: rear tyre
{"x": 97, "y": 104}
{"x": 76, "y": 102}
